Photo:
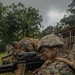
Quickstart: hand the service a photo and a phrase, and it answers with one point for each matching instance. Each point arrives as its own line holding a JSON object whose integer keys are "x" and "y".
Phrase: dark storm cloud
{"x": 44, "y": 7}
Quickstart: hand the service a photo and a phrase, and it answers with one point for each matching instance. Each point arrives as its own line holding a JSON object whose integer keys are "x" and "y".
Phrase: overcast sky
{"x": 51, "y": 10}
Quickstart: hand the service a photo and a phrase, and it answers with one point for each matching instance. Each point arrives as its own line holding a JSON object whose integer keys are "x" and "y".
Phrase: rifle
{"x": 31, "y": 59}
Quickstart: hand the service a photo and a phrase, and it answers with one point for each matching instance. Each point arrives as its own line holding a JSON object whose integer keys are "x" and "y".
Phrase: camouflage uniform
{"x": 9, "y": 49}
{"x": 25, "y": 45}
{"x": 63, "y": 64}
{"x": 73, "y": 48}
{"x": 29, "y": 44}
{"x": 65, "y": 46}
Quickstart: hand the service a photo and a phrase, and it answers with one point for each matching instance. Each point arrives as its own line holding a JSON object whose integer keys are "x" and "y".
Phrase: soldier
{"x": 17, "y": 46}
{"x": 9, "y": 49}
{"x": 57, "y": 60}
{"x": 25, "y": 45}
{"x": 15, "y": 51}
{"x": 60, "y": 36}
{"x": 29, "y": 44}
{"x": 65, "y": 46}
{"x": 73, "y": 48}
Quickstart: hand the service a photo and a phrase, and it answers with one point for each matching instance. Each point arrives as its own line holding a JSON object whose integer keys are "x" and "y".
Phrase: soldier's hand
{"x": 35, "y": 71}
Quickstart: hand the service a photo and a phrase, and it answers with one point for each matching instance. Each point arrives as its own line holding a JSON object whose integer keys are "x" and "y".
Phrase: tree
{"x": 66, "y": 21}
{"x": 21, "y": 21}
{"x": 2, "y": 22}
{"x": 69, "y": 19}
{"x": 1, "y": 5}
{"x": 57, "y": 28}
{"x": 47, "y": 31}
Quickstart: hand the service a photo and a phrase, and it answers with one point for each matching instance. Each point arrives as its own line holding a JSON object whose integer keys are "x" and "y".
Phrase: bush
{"x": 2, "y": 47}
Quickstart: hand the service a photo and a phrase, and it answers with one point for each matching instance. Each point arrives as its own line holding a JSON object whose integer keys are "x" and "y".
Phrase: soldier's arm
{"x": 56, "y": 68}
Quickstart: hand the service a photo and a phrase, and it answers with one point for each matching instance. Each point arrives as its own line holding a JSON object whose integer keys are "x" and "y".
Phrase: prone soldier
{"x": 25, "y": 45}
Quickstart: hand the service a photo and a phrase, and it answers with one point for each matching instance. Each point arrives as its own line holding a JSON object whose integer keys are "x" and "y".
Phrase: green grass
{"x": 1, "y": 55}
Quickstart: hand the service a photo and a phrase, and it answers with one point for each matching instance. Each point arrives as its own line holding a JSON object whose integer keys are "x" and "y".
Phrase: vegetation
{"x": 66, "y": 21}
{"x": 69, "y": 18}
{"x": 18, "y": 21}
{"x": 1, "y": 55}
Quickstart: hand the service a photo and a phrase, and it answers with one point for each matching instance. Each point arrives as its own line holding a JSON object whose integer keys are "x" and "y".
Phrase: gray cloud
{"x": 44, "y": 7}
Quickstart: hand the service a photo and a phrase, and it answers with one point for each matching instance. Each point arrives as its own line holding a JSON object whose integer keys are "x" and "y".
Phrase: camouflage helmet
{"x": 50, "y": 41}
{"x": 14, "y": 43}
{"x": 26, "y": 41}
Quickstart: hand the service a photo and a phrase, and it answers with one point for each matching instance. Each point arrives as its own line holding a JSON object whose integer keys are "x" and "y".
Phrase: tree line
{"x": 18, "y": 21}
{"x": 67, "y": 20}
